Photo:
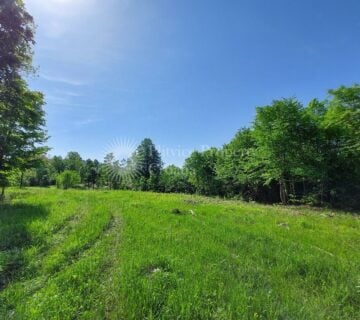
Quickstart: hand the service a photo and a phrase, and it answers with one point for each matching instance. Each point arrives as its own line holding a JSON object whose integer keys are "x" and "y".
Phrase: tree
{"x": 111, "y": 171}
{"x": 74, "y": 162}
{"x": 21, "y": 127}
{"x": 22, "y": 118}
{"x": 344, "y": 112}
{"x": 92, "y": 171}
{"x": 147, "y": 165}
{"x": 280, "y": 137}
{"x": 16, "y": 40}
{"x": 58, "y": 164}
{"x": 341, "y": 124}
{"x": 316, "y": 156}
{"x": 202, "y": 172}
{"x": 333, "y": 156}
{"x": 38, "y": 161}
{"x": 68, "y": 179}
{"x": 175, "y": 180}
{"x": 237, "y": 168}
{"x": 39, "y": 172}
{"x": 44, "y": 173}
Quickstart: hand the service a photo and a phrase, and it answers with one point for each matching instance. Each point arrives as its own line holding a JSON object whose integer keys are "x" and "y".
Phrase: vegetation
{"x": 22, "y": 118}
{"x": 292, "y": 154}
{"x": 17, "y": 39}
{"x": 134, "y": 255}
{"x": 68, "y": 179}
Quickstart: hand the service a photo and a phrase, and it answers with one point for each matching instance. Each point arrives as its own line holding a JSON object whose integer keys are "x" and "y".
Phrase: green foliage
{"x": 110, "y": 172}
{"x": 175, "y": 180}
{"x": 16, "y": 39}
{"x": 125, "y": 255}
{"x": 147, "y": 165}
{"x": 279, "y": 133}
{"x": 201, "y": 167}
{"x": 22, "y": 117}
{"x": 58, "y": 164}
{"x": 21, "y": 127}
{"x": 296, "y": 154}
{"x": 74, "y": 162}
{"x": 291, "y": 154}
{"x": 342, "y": 127}
{"x": 68, "y": 179}
{"x": 236, "y": 167}
{"x": 91, "y": 172}
{"x": 147, "y": 159}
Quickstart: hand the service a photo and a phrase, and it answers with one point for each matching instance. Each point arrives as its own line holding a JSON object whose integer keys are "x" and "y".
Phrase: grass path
{"x": 128, "y": 255}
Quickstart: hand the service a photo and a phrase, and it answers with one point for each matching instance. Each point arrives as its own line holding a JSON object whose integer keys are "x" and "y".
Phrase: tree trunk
{"x": 2, "y": 196}
{"x": 21, "y": 179}
{"x": 283, "y": 192}
{"x": 292, "y": 190}
{"x": 322, "y": 193}
{"x": 304, "y": 187}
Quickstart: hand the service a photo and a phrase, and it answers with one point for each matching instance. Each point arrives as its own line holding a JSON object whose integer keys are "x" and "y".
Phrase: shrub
{"x": 68, "y": 179}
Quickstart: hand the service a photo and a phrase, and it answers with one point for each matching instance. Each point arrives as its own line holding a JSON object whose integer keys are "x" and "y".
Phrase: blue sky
{"x": 187, "y": 74}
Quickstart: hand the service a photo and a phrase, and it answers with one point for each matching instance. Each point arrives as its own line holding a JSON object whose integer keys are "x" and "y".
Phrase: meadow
{"x": 73, "y": 254}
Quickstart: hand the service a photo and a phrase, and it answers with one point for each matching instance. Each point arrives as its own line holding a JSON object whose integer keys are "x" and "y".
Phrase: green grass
{"x": 128, "y": 255}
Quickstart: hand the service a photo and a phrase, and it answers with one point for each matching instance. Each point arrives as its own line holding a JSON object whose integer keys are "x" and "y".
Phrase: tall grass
{"x": 128, "y": 255}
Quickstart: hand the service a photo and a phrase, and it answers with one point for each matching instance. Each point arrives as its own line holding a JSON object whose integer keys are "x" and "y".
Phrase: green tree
{"x": 44, "y": 173}
{"x": 316, "y": 158}
{"x": 111, "y": 171}
{"x": 74, "y": 162}
{"x": 201, "y": 167}
{"x": 21, "y": 110}
{"x": 68, "y": 179}
{"x": 147, "y": 165}
{"x": 58, "y": 164}
{"x": 16, "y": 40}
{"x": 237, "y": 168}
{"x": 92, "y": 171}
{"x": 175, "y": 180}
{"x": 332, "y": 157}
{"x": 39, "y": 173}
{"x": 36, "y": 161}
{"x": 344, "y": 113}
{"x": 21, "y": 128}
{"x": 280, "y": 135}
{"x": 341, "y": 125}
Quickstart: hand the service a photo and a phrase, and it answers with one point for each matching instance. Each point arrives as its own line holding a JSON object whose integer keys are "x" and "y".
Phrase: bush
{"x": 68, "y": 179}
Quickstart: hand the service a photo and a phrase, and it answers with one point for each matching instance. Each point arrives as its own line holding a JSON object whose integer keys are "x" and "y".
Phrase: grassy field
{"x": 129, "y": 255}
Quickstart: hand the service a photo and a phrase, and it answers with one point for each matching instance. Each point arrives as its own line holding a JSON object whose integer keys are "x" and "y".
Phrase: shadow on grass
{"x": 15, "y": 237}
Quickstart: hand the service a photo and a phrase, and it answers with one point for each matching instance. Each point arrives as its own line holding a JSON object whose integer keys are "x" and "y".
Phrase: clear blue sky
{"x": 184, "y": 73}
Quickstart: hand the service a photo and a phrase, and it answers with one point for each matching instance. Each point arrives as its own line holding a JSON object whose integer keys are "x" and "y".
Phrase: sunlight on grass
{"x": 128, "y": 255}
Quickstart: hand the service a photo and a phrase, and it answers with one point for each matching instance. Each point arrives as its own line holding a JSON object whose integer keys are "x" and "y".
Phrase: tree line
{"x": 292, "y": 154}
